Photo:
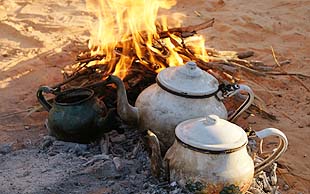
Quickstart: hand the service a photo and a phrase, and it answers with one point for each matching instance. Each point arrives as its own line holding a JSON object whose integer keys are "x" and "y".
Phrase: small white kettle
{"x": 210, "y": 155}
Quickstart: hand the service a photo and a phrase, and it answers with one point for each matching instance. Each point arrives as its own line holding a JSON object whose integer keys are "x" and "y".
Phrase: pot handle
{"x": 283, "y": 143}
{"x": 46, "y": 105}
{"x": 230, "y": 90}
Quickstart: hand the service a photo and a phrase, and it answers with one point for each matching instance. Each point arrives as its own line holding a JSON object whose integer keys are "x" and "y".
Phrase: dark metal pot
{"x": 76, "y": 115}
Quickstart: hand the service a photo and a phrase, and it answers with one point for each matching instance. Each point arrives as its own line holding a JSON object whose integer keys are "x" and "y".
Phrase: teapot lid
{"x": 187, "y": 80}
{"x": 211, "y": 134}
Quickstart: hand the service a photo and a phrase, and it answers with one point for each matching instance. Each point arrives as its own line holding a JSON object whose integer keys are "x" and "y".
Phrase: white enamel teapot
{"x": 209, "y": 155}
{"x": 181, "y": 93}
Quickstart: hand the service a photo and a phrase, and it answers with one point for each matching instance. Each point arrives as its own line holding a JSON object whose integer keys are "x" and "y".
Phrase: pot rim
{"x": 206, "y": 151}
{"x": 185, "y": 95}
{"x": 90, "y": 95}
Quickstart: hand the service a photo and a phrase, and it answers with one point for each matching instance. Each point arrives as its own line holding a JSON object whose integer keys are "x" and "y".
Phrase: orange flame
{"x": 126, "y": 31}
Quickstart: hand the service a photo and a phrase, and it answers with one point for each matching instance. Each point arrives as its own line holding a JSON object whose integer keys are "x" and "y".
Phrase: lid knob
{"x": 191, "y": 65}
{"x": 191, "y": 70}
{"x": 211, "y": 120}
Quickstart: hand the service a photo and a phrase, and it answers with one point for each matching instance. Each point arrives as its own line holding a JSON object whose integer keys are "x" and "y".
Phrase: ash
{"x": 118, "y": 163}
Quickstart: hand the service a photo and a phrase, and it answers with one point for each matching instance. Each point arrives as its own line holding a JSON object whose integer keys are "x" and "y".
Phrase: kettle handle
{"x": 46, "y": 105}
{"x": 247, "y": 102}
{"x": 283, "y": 143}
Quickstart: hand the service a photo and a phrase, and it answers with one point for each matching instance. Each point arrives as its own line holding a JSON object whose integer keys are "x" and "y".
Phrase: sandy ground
{"x": 38, "y": 38}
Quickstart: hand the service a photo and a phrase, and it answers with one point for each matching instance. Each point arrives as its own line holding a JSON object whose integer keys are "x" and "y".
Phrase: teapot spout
{"x": 159, "y": 167}
{"x": 127, "y": 112}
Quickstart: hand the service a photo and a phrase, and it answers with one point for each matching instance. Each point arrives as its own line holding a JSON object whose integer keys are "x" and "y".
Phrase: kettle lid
{"x": 187, "y": 80}
{"x": 211, "y": 134}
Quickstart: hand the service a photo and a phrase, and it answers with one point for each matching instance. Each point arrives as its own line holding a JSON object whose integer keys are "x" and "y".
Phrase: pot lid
{"x": 211, "y": 133}
{"x": 187, "y": 80}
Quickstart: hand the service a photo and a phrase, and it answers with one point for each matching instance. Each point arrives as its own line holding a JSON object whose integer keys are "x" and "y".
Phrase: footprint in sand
{"x": 10, "y": 33}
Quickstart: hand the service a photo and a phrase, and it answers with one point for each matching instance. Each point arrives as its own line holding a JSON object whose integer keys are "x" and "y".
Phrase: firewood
{"x": 245, "y": 54}
{"x": 257, "y": 109}
{"x": 189, "y": 29}
{"x": 87, "y": 58}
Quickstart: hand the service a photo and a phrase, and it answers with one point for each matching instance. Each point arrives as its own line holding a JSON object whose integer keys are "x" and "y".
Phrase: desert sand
{"x": 38, "y": 38}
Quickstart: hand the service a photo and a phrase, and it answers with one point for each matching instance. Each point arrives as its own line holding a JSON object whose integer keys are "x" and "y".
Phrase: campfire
{"x": 124, "y": 36}
{"x": 135, "y": 45}
{"x": 132, "y": 32}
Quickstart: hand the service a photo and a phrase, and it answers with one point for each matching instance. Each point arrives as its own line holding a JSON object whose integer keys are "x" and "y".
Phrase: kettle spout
{"x": 159, "y": 167}
{"x": 127, "y": 112}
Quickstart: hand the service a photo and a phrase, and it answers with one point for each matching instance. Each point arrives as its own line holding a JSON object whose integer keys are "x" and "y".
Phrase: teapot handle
{"x": 230, "y": 90}
{"x": 46, "y": 105}
{"x": 283, "y": 143}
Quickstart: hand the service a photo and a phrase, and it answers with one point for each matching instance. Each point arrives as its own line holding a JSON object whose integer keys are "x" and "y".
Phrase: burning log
{"x": 188, "y": 31}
